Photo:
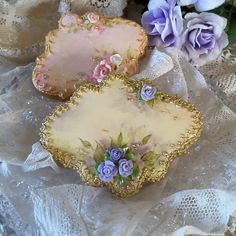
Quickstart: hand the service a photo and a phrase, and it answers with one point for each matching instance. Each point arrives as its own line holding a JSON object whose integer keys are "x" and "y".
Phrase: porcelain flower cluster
{"x": 200, "y": 36}
{"x": 118, "y": 164}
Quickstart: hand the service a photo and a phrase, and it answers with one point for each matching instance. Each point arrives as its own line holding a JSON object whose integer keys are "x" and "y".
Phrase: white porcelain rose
{"x": 116, "y": 59}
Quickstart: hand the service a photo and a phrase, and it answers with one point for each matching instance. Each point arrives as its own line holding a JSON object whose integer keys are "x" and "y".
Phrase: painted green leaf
{"x": 120, "y": 140}
{"x": 98, "y": 154}
{"x": 149, "y": 159}
{"x": 97, "y": 50}
{"x": 75, "y": 30}
{"x": 151, "y": 103}
{"x": 146, "y": 139}
{"x": 81, "y": 74}
{"x": 158, "y": 96}
{"x": 130, "y": 54}
{"x": 85, "y": 143}
{"x": 117, "y": 142}
{"x": 114, "y": 52}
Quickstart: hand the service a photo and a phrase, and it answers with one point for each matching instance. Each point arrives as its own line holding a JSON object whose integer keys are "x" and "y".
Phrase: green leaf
{"x": 135, "y": 172}
{"x": 128, "y": 154}
{"x": 149, "y": 159}
{"x": 98, "y": 154}
{"x": 146, "y": 139}
{"x": 87, "y": 22}
{"x": 158, "y": 96}
{"x": 106, "y": 156}
{"x": 118, "y": 180}
{"x": 85, "y": 143}
{"x": 95, "y": 169}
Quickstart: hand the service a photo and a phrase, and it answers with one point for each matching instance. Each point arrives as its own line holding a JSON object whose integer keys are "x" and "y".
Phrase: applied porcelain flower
{"x": 93, "y": 18}
{"x": 116, "y": 154}
{"x": 125, "y": 167}
{"x": 116, "y": 59}
{"x": 101, "y": 70}
{"x": 107, "y": 170}
{"x": 147, "y": 92}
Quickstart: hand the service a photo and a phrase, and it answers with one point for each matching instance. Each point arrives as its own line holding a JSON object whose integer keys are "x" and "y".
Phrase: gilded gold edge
{"x": 149, "y": 176}
{"x": 48, "y": 50}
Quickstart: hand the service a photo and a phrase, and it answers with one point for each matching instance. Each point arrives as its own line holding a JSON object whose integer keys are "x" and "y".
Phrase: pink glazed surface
{"x": 73, "y": 51}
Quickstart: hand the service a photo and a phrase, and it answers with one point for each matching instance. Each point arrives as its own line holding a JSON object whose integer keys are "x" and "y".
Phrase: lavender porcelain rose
{"x": 203, "y": 37}
{"x": 125, "y": 167}
{"x": 202, "y": 5}
{"x": 148, "y": 92}
{"x": 116, "y": 154}
{"x": 107, "y": 170}
{"x": 163, "y": 23}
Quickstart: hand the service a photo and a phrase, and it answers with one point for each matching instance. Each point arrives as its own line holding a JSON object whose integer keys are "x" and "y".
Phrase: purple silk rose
{"x": 125, "y": 168}
{"x": 204, "y": 37}
{"x": 147, "y": 92}
{"x": 163, "y": 23}
{"x": 116, "y": 154}
{"x": 202, "y": 5}
{"x": 107, "y": 170}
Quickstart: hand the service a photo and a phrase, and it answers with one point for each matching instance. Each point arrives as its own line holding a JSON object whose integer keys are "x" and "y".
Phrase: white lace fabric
{"x": 25, "y": 23}
{"x": 109, "y": 8}
{"x": 58, "y": 203}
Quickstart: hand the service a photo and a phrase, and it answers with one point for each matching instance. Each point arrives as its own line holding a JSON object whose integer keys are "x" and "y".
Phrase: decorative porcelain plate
{"x": 88, "y": 48}
{"x": 120, "y": 133}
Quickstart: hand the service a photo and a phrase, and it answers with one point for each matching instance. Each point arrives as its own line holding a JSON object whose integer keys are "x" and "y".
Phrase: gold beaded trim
{"x": 147, "y": 175}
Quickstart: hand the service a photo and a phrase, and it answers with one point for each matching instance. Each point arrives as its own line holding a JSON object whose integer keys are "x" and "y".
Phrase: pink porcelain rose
{"x": 93, "y": 18}
{"x": 101, "y": 70}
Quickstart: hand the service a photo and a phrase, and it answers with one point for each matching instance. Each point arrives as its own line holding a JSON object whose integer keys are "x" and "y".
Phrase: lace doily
{"x": 108, "y": 8}
{"x": 210, "y": 166}
{"x": 25, "y": 23}
{"x": 23, "y": 26}
{"x": 221, "y": 76}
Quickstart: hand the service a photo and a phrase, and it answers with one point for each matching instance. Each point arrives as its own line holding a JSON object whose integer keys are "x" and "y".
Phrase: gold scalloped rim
{"x": 155, "y": 175}
{"x": 49, "y": 43}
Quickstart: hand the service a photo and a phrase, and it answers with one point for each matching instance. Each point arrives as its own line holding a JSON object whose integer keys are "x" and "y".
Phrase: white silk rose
{"x": 204, "y": 37}
{"x": 202, "y": 5}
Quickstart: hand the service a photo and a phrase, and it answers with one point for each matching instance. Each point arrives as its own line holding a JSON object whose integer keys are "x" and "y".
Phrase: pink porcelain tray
{"x": 88, "y": 48}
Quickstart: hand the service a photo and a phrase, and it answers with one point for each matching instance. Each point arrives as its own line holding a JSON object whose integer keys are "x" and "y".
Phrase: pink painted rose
{"x": 98, "y": 27}
{"x": 40, "y": 79}
{"x": 93, "y": 18}
{"x": 90, "y": 79}
{"x": 101, "y": 70}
